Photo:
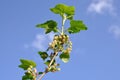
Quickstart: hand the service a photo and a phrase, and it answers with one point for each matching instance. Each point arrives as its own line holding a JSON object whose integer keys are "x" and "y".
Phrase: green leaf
{"x": 70, "y": 17}
{"x": 48, "y": 62}
{"x": 48, "y": 26}
{"x": 76, "y": 26}
{"x": 27, "y": 77}
{"x": 43, "y": 55}
{"x": 63, "y": 9}
{"x": 25, "y": 64}
{"x": 40, "y": 73}
{"x": 65, "y": 57}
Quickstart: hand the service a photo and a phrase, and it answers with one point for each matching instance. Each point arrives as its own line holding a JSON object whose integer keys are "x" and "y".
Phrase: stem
{"x": 42, "y": 75}
{"x": 63, "y": 22}
{"x": 59, "y": 31}
{"x": 46, "y": 70}
{"x": 52, "y": 59}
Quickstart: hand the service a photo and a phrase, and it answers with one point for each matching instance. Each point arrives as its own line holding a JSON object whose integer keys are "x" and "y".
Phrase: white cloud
{"x": 102, "y": 6}
{"x": 115, "y": 30}
{"x": 40, "y": 42}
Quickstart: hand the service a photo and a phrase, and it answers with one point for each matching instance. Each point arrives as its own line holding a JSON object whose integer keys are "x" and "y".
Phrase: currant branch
{"x": 60, "y": 46}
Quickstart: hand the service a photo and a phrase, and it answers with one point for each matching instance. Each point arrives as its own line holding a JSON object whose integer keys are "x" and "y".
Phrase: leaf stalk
{"x": 63, "y": 22}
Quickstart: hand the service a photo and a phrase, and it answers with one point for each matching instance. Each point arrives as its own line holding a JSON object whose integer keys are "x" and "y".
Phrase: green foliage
{"x": 76, "y": 26}
{"x": 64, "y": 9}
{"x": 28, "y": 77}
{"x": 48, "y": 26}
{"x": 47, "y": 62}
{"x": 65, "y": 57}
{"x": 43, "y": 55}
{"x": 25, "y": 64}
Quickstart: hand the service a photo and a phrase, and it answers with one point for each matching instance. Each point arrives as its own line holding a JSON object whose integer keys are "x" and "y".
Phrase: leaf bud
{"x": 29, "y": 72}
{"x": 31, "y": 66}
{"x": 29, "y": 69}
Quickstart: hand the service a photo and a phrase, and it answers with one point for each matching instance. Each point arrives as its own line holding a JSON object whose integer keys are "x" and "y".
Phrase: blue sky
{"x": 95, "y": 54}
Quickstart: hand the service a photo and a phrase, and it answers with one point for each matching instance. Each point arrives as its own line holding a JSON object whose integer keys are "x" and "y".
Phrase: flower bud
{"x": 63, "y": 40}
{"x": 64, "y": 36}
{"x": 50, "y": 44}
{"x": 55, "y": 37}
{"x": 60, "y": 37}
{"x": 58, "y": 69}
{"x": 70, "y": 42}
{"x": 70, "y": 46}
{"x": 55, "y": 41}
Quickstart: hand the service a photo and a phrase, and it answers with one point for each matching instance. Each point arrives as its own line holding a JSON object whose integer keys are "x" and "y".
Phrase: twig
{"x": 53, "y": 58}
{"x": 42, "y": 75}
{"x": 46, "y": 70}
